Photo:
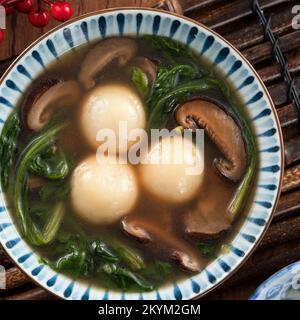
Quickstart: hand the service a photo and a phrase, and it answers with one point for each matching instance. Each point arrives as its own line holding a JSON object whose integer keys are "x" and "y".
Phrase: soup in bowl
{"x": 141, "y": 157}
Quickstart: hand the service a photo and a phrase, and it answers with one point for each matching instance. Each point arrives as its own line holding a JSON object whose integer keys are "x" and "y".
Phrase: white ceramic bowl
{"x": 256, "y": 101}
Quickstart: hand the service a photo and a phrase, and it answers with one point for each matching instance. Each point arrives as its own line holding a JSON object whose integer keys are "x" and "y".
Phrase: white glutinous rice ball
{"x": 103, "y": 192}
{"x": 104, "y": 107}
{"x": 173, "y": 171}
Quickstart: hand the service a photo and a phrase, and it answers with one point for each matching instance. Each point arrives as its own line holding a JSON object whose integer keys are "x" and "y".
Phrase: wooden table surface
{"x": 234, "y": 20}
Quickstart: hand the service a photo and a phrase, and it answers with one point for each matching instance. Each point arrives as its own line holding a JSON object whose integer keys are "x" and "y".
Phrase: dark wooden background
{"x": 233, "y": 20}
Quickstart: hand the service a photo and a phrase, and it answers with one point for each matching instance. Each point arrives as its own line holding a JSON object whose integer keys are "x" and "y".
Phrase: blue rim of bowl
{"x": 277, "y": 275}
{"x": 226, "y": 264}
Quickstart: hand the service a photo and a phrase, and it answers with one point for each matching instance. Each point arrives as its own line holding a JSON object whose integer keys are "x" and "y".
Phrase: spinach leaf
{"x": 157, "y": 271}
{"x": 100, "y": 251}
{"x": 168, "y": 78}
{"x": 85, "y": 257}
{"x": 30, "y": 231}
{"x": 160, "y": 112}
{"x": 45, "y": 235}
{"x": 128, "y": 255}
{"x": 207, "y": 250}
{"x": 55, "y": 190}
{"x": 51, "y": 163}
{"x": 8, "y": 146}
{"x": 72, "y": 262}
{"x": 140, "y": 79}
{"x": 169, "y": 48}
{"x": 124, "y": 278}
{"x": 93, "y": 252}
{"x": 40, "y": 211}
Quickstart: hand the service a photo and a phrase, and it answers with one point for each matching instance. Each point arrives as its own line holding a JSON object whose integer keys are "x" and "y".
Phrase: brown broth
{"x": 170, "y": 217}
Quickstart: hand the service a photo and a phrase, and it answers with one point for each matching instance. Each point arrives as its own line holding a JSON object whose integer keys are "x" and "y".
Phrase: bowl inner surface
{"x": 134, "y": 22}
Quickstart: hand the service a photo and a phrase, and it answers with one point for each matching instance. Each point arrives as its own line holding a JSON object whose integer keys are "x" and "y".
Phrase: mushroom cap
{"x": 120, "y": 49}
{"x": 105, "y": 106}
{"x": 222, "y": 129}
{"x": 46, "y": 97}
{"x": 101, "y": 193}
{"x": 166, "y": 172}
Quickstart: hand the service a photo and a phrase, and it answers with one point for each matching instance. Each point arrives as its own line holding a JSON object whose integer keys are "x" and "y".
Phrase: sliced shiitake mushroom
{"x": 223, "y": 130}
{"x": 157, "y": 239}
{"x": 206, "y": 219}
{"x": 102, "y": 54}
{"x": 46, "y": 97}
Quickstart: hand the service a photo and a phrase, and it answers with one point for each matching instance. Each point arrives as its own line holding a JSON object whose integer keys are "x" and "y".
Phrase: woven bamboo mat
{"x": 235, "y": 21}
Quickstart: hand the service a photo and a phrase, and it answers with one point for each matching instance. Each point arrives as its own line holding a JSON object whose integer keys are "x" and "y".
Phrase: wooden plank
{"x": 288, "y": 205}
{"x": 231, "y": 12}
{"x": 4, "y": 259}
{"x": 252, "y": 33}
{"x": 272, "y": 71}
{"x": 280, "y": 232}
{"x": 292, "y": 150}
{"x": 291, "y": 178}
{"x": 279, "y": 92}
{"x": 32, "y": 294}
{"x": 289, "y": 121}
{"x": 264, "y": 50}
{"x": 188, "y": 6}
{"x": 15, "y": 278}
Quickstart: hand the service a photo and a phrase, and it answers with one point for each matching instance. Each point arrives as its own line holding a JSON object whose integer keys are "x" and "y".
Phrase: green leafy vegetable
{"x": 140, "y": 79}
{"x": 100, "y": 250}
{"x": 160, "y": 112}
{"x": 167, "y": 78}
{"x": 46, "y": 235}
{"x": 8, "y": 146}
{"x": 80, "y": 256}
{"x": 169, "y": 48}
{"x": 35, "y": 236}
{"x": 157, "y": 271}
{"x": 207, "y": 250}
{"x": 51, "y": 163}
{"x": 124, "y": 278}
{"x": 128, "y": 255}
{"x": 54, "y": 190}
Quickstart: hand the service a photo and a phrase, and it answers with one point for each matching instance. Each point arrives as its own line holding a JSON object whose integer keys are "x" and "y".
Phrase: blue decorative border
{"x": 245, "y": 81}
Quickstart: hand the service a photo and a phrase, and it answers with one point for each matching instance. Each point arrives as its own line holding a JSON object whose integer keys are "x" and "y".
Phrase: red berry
{"x": 9, "y": 10}
{"x": 1, "y": 36}
{"x": 25, "y": 6}
{"x": 39, "y": 17}
{"x": 61, "y": 11}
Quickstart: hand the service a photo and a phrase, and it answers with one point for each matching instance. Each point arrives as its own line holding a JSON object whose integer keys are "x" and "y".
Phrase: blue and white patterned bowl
{"x": 123, "y": 22}
{"x": 283, "y": 285}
